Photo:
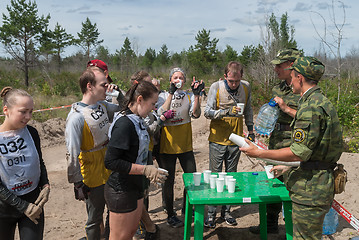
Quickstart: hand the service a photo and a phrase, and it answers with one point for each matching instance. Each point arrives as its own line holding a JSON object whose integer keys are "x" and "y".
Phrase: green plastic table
{"x": 251, "y": 188}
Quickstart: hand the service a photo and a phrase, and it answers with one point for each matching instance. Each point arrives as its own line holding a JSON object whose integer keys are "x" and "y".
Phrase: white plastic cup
{"x": 231, "y": 185}
{"x": 206, "y": 175}
{"x": 222, "y": 174}
{"x": 220, "y": 184}
{"x": 240, "y": 105}
{"x": 179, "y": 84}
{"x": 269, "y": 174}
{"x": 226, "y": 179}
{"x": 212, "y": 181}
{"x": 240, "y": 141}
{"x": 114, "y": 93}
{"x": 163, "y": 170}
{"x": 197, "y": 178}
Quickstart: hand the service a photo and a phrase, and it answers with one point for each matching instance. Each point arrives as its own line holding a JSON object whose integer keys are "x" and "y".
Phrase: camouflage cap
{"x": 309, "y": 67}
{"x": 289, "y": 54}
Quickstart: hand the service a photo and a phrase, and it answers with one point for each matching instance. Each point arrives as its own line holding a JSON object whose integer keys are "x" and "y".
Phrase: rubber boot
{"x": 272, "y": 225}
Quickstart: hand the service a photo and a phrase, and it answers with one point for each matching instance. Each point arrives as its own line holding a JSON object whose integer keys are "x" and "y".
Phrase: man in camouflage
{"x": 281, "y": 135}
{"x": 317, "y": 142}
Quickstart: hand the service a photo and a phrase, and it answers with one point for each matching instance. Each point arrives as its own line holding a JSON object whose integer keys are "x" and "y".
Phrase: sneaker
{"x": 140, "y": 233}
{"x": 153, "y": 236}
{"x": 174, "y": 222}
{"x": 229, "y": 219}
{"x": 257, "y": 229}
{"x": 210, "y": 222}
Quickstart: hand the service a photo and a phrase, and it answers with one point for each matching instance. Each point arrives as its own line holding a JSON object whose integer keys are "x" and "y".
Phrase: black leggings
{"x": 28, "y": 230}
{"x": 168, "y": 162}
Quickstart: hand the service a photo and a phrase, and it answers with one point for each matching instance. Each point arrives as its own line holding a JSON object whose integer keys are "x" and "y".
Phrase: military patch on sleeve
{"x": 299, "y": 135}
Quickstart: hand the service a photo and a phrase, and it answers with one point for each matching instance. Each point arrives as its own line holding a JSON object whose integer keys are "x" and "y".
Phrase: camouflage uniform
{"x": 281, "y": 135}
{"x": 316, "y": 137}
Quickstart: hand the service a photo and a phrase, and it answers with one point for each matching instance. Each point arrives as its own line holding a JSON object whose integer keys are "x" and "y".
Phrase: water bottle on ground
{"x": 267, "y": 118}
{"x": 331, "y": 222}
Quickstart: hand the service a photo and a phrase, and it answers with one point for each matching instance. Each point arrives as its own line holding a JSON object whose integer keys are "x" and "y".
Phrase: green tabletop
{"x": 251, "y": 188}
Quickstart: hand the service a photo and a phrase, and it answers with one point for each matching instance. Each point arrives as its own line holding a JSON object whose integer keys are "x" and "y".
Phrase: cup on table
{"x": 222, "y": 174}
{"x": 220, "y": 184}
{"x": 241, "y": 106}
{"x": 212, "y": 181}
{"x": 226, "y": 178}
{"x": 231, "y": 185}
{"x": 206, "y": 175}
{"x": 269, "y": 174}
{"x": 197, "y": 178}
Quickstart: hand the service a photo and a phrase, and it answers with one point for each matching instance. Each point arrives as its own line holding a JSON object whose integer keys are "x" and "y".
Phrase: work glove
{"x": 154, "y": 174}
{"x": 43, "y": 196}
{"x": 169, "y": 114}
{"x": 251, "y": 137}
{"x": 33, "y": 212}
{"x": 172, "y": 88}
{"x": 197, "y": 91}
{"x": 81, "y": 191}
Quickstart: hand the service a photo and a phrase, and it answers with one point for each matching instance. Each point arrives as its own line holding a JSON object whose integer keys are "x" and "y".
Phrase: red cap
{"x": 100, "y": 64}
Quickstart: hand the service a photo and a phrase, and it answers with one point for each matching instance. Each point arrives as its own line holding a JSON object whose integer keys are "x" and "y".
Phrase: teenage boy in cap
{"x": 102, "y": 65}
{"x": 317, "y": 142}
{"x": 221, "y": 108}
{"x": 281, "y": 135}
{"x": 87, "y": 126}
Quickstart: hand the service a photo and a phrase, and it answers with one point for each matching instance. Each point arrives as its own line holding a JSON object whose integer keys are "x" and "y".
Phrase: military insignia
{"x": 299, "y": 135}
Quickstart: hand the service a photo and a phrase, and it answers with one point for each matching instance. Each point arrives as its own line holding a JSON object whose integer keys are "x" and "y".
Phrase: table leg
{"x": 288, "y": 219}
{"x": 188, "y": 220}
{"x": 263, "y": 220}
{"x": 198, "y": 221}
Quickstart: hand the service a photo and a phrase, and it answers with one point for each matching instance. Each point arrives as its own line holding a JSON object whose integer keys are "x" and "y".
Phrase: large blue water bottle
{"x": 267, "y": 118}
{"x": 331, "y": 222}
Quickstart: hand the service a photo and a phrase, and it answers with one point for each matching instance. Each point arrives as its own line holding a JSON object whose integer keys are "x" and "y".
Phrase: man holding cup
{"x": 229, "y": 100}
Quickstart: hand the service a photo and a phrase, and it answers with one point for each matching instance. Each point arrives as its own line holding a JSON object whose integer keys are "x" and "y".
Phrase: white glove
{"x": 43, "y": 197}
{"x": 33, "y": 212}
{"x": 154, "y": 174}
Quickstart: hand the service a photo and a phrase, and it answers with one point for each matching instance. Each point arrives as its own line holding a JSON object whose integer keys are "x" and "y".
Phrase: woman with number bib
{"x": 24, "y": 186}
{"x": 176, "y": 135}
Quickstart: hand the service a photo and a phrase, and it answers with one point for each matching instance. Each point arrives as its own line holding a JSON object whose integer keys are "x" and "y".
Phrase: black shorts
{"x": 121, "y": 201}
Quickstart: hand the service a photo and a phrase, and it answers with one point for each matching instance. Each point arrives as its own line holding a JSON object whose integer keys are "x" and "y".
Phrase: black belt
{"x": 317, "y": 165}
{"x": 282, "y": 127}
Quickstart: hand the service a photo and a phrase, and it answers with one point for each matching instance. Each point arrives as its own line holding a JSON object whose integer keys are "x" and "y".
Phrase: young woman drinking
{"x": 127, "y": 156}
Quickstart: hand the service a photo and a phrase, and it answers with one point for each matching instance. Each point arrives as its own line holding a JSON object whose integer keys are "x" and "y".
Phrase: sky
{"x": 238, "y": 23}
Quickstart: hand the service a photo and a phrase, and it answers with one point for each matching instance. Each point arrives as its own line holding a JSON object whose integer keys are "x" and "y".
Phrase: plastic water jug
{"x": 267, "y": 118}
{"x": 331, "y": 222}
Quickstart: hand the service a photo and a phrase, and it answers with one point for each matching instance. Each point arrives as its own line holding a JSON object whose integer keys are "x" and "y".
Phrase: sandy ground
{"x": 65, "y": 216}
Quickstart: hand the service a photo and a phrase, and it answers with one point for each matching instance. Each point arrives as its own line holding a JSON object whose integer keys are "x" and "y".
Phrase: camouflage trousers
{"x": 308, "y": 221}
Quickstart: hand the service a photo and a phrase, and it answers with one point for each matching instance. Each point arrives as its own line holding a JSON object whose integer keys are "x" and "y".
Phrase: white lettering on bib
{"x": 19, "y": 164}
{"x": 97, "y": 119}
{"x": 181, "y": 105}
